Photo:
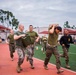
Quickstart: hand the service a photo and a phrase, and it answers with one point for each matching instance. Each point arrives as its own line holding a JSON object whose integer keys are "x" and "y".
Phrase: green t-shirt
{"x": 33, "y": 36}
{"x": 10, "y": 39}
{"x": 19, "y": 41}
{"x": 52, "y": 38}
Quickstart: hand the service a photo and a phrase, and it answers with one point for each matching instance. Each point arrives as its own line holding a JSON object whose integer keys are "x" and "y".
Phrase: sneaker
{"x": 67, "y": 66}
{"x": 45, "y": 67}
{"x": 32, "y": 67}
{"x": 21, "y": 69}
{"x": 18, "y": 69}
{"x": 60, "y": 71}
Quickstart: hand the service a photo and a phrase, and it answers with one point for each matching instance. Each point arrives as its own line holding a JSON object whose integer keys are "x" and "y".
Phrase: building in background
{"x": 44, "y": 30}
{"x": 4, "y": 31}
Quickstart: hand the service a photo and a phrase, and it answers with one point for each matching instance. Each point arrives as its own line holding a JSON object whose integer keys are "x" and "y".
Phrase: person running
{"x": 44, "y": 42}
{"x": 10, "y": 41}
{"x": 51, "y": 47}
{"x": 30, "y": 49}
{"x": 65, "y": 41}
{"x": 19, "y": 46}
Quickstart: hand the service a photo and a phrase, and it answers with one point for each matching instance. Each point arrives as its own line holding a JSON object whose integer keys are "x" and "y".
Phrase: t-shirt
{"x": 11, "y": 39}
{"x": 52, "y": 38}
{"x": 33, "y": 36}
{"x": 19, "y": 41}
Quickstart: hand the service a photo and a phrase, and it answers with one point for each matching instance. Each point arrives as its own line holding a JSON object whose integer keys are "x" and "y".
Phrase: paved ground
{"x": 8, "y": 67}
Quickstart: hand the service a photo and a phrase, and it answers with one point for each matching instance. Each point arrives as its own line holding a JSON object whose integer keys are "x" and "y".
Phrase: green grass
{"x": 72, "y": 56}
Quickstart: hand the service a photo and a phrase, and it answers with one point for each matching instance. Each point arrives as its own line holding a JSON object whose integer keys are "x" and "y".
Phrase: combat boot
{"x": 18, "y": 69}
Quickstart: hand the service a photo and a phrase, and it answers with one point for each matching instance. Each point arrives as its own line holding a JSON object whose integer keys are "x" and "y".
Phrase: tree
{"x": 73, "y": 27}
{"x": 7, "y": 18}
{"x": 66, "y": 24}
{"x": 1, "y": 16}
{"x": 14, "y": 23}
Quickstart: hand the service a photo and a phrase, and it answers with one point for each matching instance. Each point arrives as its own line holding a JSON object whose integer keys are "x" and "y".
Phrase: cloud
{"x": 41, "y": 12}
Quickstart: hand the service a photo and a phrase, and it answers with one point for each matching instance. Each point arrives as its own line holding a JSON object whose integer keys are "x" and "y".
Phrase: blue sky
{"x": 41, "y": 13}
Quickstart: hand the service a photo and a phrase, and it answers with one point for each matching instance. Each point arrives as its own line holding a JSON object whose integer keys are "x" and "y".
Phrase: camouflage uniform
{"x": 44, "y": 41}
{"x": 51, "y": 48}
{"x": 20, "y": 48}
{"x": 10, "y": 39}
{"x": 30, "y": 48}
{"x": 65, "y": 54}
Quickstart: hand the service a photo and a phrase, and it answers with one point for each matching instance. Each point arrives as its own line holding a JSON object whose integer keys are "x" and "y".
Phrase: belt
{"x": 51, "y": 45}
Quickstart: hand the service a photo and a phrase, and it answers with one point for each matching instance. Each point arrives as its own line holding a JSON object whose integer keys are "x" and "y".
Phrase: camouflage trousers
{"x": 65, "y": 54}
{"x": 44, "y": 46}
{"x": 49, "y": 51}
{"x": 21, "y": 55}
{"x": 12, "y": 50}
{"x": 30, "y": 53}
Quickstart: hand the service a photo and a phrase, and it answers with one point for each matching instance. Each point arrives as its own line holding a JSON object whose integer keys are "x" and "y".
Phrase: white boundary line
{"x": 54, "y": 65}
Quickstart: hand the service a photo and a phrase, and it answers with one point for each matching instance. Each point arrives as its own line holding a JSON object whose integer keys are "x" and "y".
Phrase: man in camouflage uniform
{"x": 19, "y": 46}
{"x": 51, "y": 47}
{"x": 30, "y": 49}
{"x": 44, "y": 41}
{"x": 10, "y": 41}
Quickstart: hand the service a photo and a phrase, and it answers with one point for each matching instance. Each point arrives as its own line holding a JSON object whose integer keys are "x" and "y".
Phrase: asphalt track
{"x": 8, "y": 67}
